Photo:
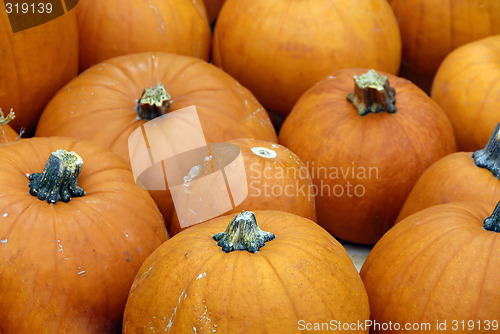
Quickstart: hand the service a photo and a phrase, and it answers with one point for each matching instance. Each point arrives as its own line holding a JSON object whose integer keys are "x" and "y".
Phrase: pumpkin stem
{"x": 492, "y": 223}
{"x": 154, "y": 102}
{"x": 6, "y": 119}
{"x": 242, "y": 233}
{"x": 489, "y": 156}
{"x": 57, "y": 182}
{"x": 372, "y": 93}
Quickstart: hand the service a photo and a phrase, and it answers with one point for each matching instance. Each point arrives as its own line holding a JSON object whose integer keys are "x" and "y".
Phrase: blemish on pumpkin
{"x": 5, "y": 214}
{"x": 3, "y": 241}
{"x": 201, "y": 276}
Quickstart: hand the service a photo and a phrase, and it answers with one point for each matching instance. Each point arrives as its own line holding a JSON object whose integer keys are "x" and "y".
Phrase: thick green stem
{"x": 492, "y": 223}
{"x": 6, "y": 119}
{"x": 372, "y": 94}
{"x": 242, "y": 233}
{"x": 489, "y": 156}
{"x": 58, "y": 180}
{"x": 154, "y": 102}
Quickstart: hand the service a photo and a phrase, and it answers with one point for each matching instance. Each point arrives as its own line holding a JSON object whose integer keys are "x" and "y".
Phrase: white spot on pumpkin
{"x": 3, "y": 241}
{"x": 201, "y": 276}
{"x": 5, "y": 214}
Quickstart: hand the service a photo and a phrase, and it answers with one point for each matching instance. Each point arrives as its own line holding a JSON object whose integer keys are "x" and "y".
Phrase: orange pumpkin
{"x": 365, "y": 154}
{"x": 431, "y": 29}
{"x": 250, "y": 280}
{"x": 437, "y": 266}
{"x": 460, "y": 176}
{"x": 113, "y": 28}
{"x": 72, "y": 239}
{"x": 34, "y": 64}
{"x": 276, "y": 179}
{"x": 278, "y": 49}
{"x": 213, "y": 8}
{"x": 104, "y": 104}
{"x": 466, "y": 86}
{"x": 7, "y": 134}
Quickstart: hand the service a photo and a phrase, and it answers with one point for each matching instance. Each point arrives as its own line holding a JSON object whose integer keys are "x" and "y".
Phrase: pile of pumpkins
{"x": 373, "y": 122}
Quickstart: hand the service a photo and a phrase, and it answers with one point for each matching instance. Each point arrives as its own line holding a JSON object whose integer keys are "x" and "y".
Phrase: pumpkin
{"x": 366, "y": 143}
{"x": 73, "y": 234}
{"x": 278, "y": 49}
{"x": 7, "y": 134}
{"x": 437, "y": 267}
{"x": 466, "y": 86}
{"x": 115, "y": 27}
{"x": 213, "y": 8}
{"x": 430, "y": 30}
{"x": 290, "y": 274}
{"x": 459, "y": 176}
{"x": 276, "y": 179}
{"x": 35, "y": 64}
{"x": 105, "y": 104}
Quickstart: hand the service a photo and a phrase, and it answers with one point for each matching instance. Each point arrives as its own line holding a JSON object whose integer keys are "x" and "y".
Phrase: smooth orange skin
{"x": 190, "y": 283}
{"x": 280, "y": 183}
{"x": 35, "y": 64}
{"x": 390, "y": 151}
{"x": 466, "y": 86}
{"x": 439, "y": 265}
{"x": 453, "y": 178}
{"x": 278, "y": 49}
{"x": 7, "y": 134}
{"x": 431, "y": 29}
{"x": 116, "y": 27}
{"x": 67, "y": 267}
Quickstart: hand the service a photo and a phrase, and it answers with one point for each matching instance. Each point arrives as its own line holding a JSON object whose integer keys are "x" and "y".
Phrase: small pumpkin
{"x": 438, "y": 265}
{"x": 366, "y": 144}
{"x": 34, "y": 64}
{"x": 466, "y": 86}
{"x": 459, "y": 176}
{"x": 430, "y": 30}
{"x": 265, "y": 272}
{"x": 278, "y": 49}
{"x": 275, "y": 179}
{"x": 113, "y": 28}
{"x": 7, "y": 134}
{"x": 74, "y": 230}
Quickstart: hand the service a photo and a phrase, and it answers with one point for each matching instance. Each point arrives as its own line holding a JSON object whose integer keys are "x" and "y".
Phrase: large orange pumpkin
{"x": 71, "y": 238}
{"x": 288, "y": 277}
{"x": 459, "y": 176}
{"x": 275, "y": 179}
{"x": 278, "y": 49}
{"x": 7, "y": 134}
{"x": 467, "y": 87}
{"x": 437, "y": 267}
{"x": 34, "y": 64}
{"x": 113, "y": 28}
{"x": 431, "y": 29}
{"x": 365, "y": 154}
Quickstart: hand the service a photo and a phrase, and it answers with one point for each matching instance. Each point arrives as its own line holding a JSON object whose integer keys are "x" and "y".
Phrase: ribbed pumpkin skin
{"x": 190, "y": 283}
{"x": 466, "y": 86}
{"x": 7, "y": 134}
{"x": 67, "y": 267}
{"x": 436, "y": 265}
{"x": 274, "y": 183}
{"x": 116, "y": 27}
{"x": 34, "y": 64}
{"x": 382, "y": 154}
{"x": 278, "y": 49}
{"x": 431, "y": 29}
{"x": 98, "y": 105}
{"x": 453, "y": 178}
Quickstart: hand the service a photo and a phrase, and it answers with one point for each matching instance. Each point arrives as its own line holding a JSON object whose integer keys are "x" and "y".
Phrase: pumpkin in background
{"x": 457, "y": 177}
{"x": 113, "y": 28}
{"x": 251, "y": 284}
{"x": 431, "y": 29}
{"x": 104, "y": 104}
{"x": 440, "y": 264}
{"x": 467, "y": 87}
{"x": 276, "y": 179}
{"x": 34, "y": 64}
{"x": 278, "y": 49}
{"x": 213, "y": 8}
{"x": 7, "y": 134}
{"x": 365, "y": 154}
{"x": 72, "y": 237}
